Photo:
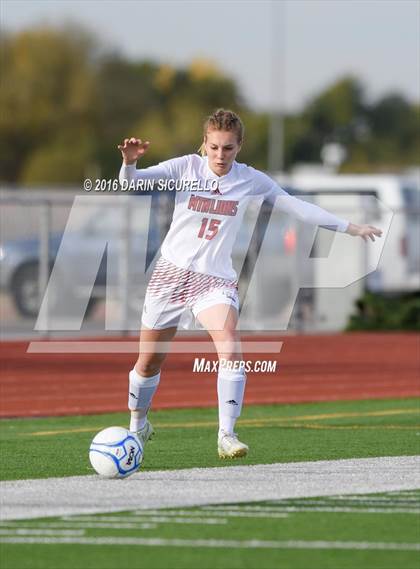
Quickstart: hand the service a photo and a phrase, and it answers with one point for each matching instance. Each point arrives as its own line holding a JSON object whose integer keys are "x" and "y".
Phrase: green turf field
{"x": 376, "y": 531}
{"x": 41, "y": 448}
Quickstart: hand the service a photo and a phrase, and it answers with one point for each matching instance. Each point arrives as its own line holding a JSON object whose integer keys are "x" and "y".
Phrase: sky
{"x": 281, "y": 52}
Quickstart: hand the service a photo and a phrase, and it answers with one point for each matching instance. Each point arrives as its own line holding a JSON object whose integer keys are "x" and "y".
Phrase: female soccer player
{"x": 195, "y": 268}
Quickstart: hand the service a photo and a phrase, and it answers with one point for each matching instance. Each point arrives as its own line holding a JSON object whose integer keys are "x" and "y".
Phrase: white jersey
{"x": 207, "y": 219}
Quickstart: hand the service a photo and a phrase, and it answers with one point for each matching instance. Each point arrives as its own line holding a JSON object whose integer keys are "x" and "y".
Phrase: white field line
{"x": 91, "y": 525}
{"x": 283, "y": 511}
{"x": 332, "y": 502}
{"x": 153, "y": 518}
{"x": 380, "y": 501}
{"x": 238, "y": 514}
{"x": 76, "y": 495}
{"x": 194, "y": 517}
{"x": 343, "y": 500}
{"x": 411, "y": 496}
{"x": 204, "y": 510}
{"x": 384, "y": 499}
{"x": 330, "y": 509}
{"x": 297, "y": 509}
{"x": 232, "y": 510}
{"x": 389, "y": 500}
{"x": 214, "y": 543}
{"x": 53, "y": 532}
{"x": 311, "y": 502}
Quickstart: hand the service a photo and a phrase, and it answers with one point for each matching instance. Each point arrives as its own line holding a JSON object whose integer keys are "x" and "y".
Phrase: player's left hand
{"x": 364, "y": 231}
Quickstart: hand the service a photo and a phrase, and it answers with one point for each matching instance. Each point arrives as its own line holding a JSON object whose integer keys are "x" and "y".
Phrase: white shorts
{"x": 172, "y": 290}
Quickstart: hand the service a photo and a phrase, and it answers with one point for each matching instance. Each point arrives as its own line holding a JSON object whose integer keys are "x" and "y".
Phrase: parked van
{"x": 391, "y": 265}
{"x": 399, "y": 266}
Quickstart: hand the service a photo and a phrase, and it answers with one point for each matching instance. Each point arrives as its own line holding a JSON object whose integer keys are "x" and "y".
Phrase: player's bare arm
{"x": 364, "y": 231}
{"x": 132, "y": 149}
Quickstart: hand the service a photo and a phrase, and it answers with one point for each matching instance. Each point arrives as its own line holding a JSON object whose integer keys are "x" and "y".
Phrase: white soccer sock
{"x": 140, "y": 395}
{"x": 230, "y": 391}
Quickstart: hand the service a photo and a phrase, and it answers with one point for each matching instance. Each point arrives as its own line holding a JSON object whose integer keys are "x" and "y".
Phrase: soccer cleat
{"x": 145, "y": 433}
{"x": 230, "y": 447}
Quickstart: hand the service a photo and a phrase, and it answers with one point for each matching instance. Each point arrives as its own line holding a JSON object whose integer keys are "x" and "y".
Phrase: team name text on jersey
{"x": 209, "y": 205}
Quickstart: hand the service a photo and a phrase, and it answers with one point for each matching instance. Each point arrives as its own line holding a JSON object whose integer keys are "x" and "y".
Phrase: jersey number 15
{"x": 209, "y": 228}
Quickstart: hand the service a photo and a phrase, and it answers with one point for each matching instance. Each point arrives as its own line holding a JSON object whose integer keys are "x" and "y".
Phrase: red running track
{"x": 309, "y": 368}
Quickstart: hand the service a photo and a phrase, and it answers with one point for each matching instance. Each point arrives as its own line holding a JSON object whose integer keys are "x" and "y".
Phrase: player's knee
{"x": 229, "y": 348}
{"x": 148, "y": 367}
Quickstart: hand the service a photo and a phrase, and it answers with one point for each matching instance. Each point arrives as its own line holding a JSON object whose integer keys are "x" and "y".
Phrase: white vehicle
{"x": 326, "y": 307}
{"x": 399, "y": 266}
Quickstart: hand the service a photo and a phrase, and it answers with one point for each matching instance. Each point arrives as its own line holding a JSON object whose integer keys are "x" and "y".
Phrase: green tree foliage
{"x": 336, "y": 115}
{"x": 64, "y": 160}
{"x": 383, "y": 135}
{"x": 126, "y": 93}
{"x": 66, "y": 105}
{"x": 395, "y": 132}
{"x": 376, "y": 312}
{"x": 47, "y": 89}
{"x": 255, "y": 146}
{"x": 187, "y": 97}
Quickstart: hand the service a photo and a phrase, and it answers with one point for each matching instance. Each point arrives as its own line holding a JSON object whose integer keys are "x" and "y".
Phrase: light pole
{"x": 276, "y": 126}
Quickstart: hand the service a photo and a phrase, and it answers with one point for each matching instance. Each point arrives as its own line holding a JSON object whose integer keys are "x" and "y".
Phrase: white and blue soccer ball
{"x": 115, "y": 452}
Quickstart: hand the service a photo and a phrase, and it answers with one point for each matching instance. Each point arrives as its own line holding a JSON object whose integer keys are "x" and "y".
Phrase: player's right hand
{"x": 132, "y": 149}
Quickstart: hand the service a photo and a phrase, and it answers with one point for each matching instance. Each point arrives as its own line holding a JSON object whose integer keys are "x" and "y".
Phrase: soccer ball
{"x": 115, "y": 453}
